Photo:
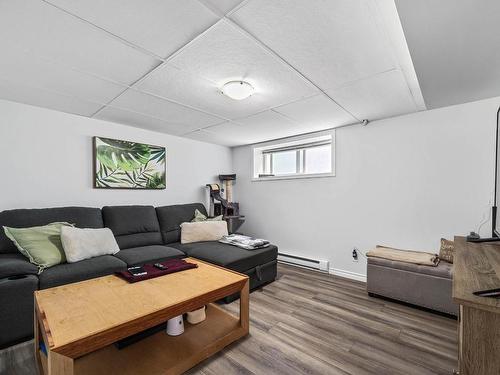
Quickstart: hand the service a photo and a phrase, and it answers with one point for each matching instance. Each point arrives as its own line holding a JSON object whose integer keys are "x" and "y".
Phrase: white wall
{"x": 404, "y": 182}
{"x": 46, "y": 160}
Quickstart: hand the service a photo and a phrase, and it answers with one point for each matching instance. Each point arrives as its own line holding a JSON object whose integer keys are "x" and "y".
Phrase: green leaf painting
{"x": 128, "y": 165}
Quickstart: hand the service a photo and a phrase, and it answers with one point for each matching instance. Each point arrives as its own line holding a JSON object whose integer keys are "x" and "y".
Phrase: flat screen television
{"x": 495, "y": 214}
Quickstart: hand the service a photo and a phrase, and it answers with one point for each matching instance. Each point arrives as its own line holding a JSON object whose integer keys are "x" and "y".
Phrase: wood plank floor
{"x": 312, "y": 323}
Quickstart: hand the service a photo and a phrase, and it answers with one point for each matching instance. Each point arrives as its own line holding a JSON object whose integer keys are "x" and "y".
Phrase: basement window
{"x": 303, "y": 157}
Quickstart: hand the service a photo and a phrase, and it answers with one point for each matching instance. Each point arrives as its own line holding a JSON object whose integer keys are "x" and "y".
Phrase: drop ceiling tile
{"x": 205, "y": 136}
{"x": 161, "y": 27}
{"x": 24, "y": 68}
{"x": 258, "y": 128}
{"x": 236, "y": 135}
{"x": 331, "y": 42}
{"x": 268, "y": 119}
{"x": 191, "y": 89}
{"x": 139, "y": 120}
{"x": 384, "y": 95}
{"x": 316, "y": 113}
{"x": 15, "y": 92}
{"x": 221, "y": 6}
{"x": 164, "y": 110}
{"x": 224, "y": 54}
{"x": 49, "y": 32}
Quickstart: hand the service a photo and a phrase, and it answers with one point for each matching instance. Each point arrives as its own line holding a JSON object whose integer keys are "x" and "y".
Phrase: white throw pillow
{"x": 80, "y": 244}
{"x": 203, "y": 231}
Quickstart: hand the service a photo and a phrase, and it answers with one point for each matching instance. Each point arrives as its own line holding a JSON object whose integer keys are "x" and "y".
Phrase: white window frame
{"x": 264, "y": 148}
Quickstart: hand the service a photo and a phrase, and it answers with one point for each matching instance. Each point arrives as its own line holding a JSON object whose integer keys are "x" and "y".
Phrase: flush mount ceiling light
{"x": 237, "y": 90}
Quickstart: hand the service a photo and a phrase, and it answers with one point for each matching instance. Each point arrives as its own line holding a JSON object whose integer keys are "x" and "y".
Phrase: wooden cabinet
{"x": 477, "y": 267}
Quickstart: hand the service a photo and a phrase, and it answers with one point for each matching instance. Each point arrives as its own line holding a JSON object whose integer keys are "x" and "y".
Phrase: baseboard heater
{"x": 321, "y": 265}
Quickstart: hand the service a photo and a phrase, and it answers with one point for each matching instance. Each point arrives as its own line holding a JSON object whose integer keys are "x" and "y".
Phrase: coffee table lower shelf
{"x": 160, "y": 353}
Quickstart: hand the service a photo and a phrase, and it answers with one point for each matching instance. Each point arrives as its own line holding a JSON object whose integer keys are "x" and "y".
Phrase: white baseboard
{"x": 348, "y": 274}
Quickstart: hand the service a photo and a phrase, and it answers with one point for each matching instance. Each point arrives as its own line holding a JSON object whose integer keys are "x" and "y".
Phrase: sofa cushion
{"x": 84, "y": 243}
{"x": 16, "y": 265}
{"x": 443, "y": 269}
{"x": 228, "y": 256}
{"x": 203, "y": 231}
{"x": 86, "y": 269}
{"x": 137, "y": 256}
{"x": 82, "y": 217}
{"x": 41, "y": 245}
{"x": 171, "y": 217}
{"x": 133, "y": 226}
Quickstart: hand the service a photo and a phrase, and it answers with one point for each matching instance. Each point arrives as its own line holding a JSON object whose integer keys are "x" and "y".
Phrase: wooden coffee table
{"x": 78, "y": 323}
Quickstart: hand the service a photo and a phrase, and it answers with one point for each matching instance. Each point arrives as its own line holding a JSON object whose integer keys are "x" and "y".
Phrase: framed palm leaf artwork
{"x": 128, "y": 165}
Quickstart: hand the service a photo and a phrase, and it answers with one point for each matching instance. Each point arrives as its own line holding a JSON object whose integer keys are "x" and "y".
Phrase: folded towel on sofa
{"x": 245, "y": 242}
{"x": 407, "y": 256}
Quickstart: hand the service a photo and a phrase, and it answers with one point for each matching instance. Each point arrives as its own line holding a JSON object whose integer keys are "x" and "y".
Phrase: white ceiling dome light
{"x": 237, "y": 90}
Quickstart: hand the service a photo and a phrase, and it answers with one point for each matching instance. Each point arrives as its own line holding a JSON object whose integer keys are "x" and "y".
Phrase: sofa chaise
{"x": 145, "y": 234}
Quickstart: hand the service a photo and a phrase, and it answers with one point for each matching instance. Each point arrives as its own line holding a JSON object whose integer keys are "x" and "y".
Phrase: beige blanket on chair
{"x": 408, "y": 256}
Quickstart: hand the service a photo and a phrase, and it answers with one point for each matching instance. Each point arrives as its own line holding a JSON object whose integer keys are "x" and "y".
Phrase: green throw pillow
{"x": 41, "y": 245}
{"x": 198, "y": 216}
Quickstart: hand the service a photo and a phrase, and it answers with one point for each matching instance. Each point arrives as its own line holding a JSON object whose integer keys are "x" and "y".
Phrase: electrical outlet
{"x": 355, "y": 255}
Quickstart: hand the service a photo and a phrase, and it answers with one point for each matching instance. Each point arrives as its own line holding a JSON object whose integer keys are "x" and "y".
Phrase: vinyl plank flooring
{"x": 308, "y": 322}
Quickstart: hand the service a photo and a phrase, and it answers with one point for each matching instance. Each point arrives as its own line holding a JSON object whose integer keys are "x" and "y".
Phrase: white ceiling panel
{"x": 161, "y": 27}
{"x": 206, "y": 136}
{"x": 13, "y": 91}
{"x": 224, "y": 54}
{"x": 188, "y": 88}
{"x": 331, "y": 42}
{"x": 316, "y": 113}
{"x": 257, "y": 128}
{"x": 381, "y": 96}
{"x": 236, "y": 135}
{"x": 27, "y": 69}
{"x": 167, "y": 111}
{"x": 78, "y": 56}
{"x": 142, "y": 121}
{"x": 221, "y": 6}
{"x": 47, "y": 31}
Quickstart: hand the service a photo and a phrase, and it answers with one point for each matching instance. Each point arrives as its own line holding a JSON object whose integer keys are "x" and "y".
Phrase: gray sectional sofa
{"x": 145, "y": 234}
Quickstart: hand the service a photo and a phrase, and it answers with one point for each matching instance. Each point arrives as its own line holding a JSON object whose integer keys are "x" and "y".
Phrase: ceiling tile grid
{"x": 160, "y": 65}
{"x": 13, "y": 91}
{"x": 222, "y": 7}
{"x": 331, "y": 42}
{"x": 132, "y": 118}
{"x": 316, "y": 113}
{"x": 48, "y": 32}
{"x": 258, "y": 128}
{"x": 204, "y": 135}
{"x": 225, "y": 54}
{"x": 25, "y": 68}
{"x": 161, "y": 27}
{"x": 189, "y": 88}
{"x": 167, "y": 111}
{"x": 381, "y": 96}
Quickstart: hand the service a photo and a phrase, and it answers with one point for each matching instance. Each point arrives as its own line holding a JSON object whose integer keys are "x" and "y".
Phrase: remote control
{"x": 494, "y": 293}
{"x": 160, "y": 266}
{"x": 137, "y": 271}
